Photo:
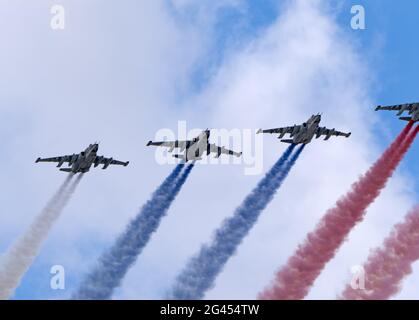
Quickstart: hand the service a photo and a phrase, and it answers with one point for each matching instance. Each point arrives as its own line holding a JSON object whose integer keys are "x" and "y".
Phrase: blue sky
{"x": 390, "y": 46}
{"x": 387, "y": 46}
{"x": 234, "y": 29}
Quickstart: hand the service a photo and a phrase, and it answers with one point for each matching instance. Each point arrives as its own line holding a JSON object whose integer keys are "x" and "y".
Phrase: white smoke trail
{"x": 23, "y": 252}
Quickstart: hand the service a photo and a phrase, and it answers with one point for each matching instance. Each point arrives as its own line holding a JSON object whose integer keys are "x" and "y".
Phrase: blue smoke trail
{"x": 202, "y": 269}
{"x": 115, "y": 263}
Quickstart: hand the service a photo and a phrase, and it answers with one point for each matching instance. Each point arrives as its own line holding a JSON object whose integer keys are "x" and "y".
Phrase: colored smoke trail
{"x": 113, "y": 265}
{"x": 295, "y": 279}
{"x": 387, "y": 266}
{"x": 21, "y": 255}
{"x": 405, "y": 146}
{"x": 202, "y": 269}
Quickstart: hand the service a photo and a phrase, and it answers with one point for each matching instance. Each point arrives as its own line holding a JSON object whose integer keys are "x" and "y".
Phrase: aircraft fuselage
{"x": 82, "y": 162}
{"x": 307, "y": 131}
{"x": 196, "y": 149}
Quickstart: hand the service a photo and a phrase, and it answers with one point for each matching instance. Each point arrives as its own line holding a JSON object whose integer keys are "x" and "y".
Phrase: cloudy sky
{"x": 121, "y": 71}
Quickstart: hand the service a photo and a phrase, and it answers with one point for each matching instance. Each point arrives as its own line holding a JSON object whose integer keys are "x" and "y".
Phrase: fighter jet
{"x": 412, "y": 108}
{"x": 81, "y": 163}
{"x": 304, "y": 133}
{"x": 195, "y": 148}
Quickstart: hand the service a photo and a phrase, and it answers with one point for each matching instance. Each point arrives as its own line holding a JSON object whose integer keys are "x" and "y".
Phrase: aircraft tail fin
{"x": 287, "y": 140}
{"x": 65, "y": 169}
{"x": 405, "y": 118}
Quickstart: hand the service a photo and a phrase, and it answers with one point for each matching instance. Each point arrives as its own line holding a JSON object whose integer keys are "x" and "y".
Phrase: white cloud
{"x": 112, "y": 75}
{"x": 303, "y": 64}
{"x": 116, "y": 74}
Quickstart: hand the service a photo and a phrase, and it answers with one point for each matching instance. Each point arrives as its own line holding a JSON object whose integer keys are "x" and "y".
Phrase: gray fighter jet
{"x": 195, "y": 148}
{"x": 81, "y": 163}
{"x": 412, "y": 108}
{"x": 304, "y": 133}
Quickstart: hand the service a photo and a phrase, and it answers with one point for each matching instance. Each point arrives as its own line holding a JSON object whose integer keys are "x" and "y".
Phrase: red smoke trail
{"x": 295, "y": 279}
{"x": 388, "y": 266}
{"x": 405, "y": 146}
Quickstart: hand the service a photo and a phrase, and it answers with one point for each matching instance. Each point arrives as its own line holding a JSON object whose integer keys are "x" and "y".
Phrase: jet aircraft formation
{"x": 293, "y": 281}
{"x": 194, "y": 149}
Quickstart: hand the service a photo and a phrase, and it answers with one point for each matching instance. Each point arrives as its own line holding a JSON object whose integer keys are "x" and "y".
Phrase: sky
{"x": 121, "y": 71}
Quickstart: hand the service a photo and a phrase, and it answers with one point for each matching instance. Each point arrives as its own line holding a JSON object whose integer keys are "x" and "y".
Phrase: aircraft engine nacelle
{"x": 294, "y": 130}
{"x": 107, "y": 164}
{"x": 404, "y": 107}
{"x": 319, "y": 132}
{"x": 73, "y": 159}
{"x": 414, "y": 108}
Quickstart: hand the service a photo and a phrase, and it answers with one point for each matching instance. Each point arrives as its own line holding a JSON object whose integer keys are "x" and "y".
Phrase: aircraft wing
{"x": 222, "y": 150}
{"x": 108, "y": 161}
{"x": 60, "y": 160}
{"x": 395, "y": 107}
{"x": 282, "y": 131}
{"x": 400, "y": 107}
{"x": 171, "y": 144}
{"x": 323, "y": 131}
